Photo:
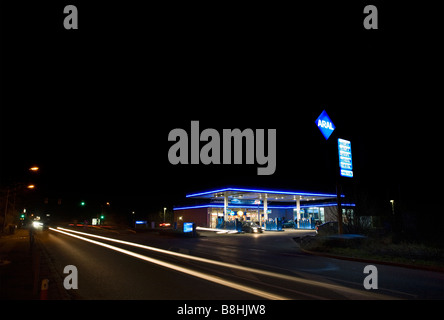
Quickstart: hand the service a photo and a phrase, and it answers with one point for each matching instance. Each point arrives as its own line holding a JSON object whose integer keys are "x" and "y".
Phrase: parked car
{"x": 329, "y": 228}
{"x": 288, "y": 224}
{"x": 251, "y": 227}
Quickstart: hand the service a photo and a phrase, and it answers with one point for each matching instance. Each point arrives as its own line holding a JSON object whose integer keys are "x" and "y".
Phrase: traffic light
{"x": 82, "y": 203}
{"x": 102, "y": 217}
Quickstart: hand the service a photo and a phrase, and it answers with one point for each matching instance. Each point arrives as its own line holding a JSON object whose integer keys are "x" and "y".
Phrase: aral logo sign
{"x": 325, "y": 124}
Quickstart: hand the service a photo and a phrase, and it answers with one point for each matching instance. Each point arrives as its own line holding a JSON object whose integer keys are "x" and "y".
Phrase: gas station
{"x": 262, "y": 206}
{"x": 270, "y": 208}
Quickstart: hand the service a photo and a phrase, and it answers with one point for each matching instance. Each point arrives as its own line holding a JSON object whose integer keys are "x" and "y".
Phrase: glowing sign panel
{"x": 187, "y": 227}
{"x": 345, "y": 158}
{"x": 325, "y": 124}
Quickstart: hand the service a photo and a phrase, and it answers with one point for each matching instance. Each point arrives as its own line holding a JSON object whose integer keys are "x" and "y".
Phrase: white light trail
{"x": 354, "y": 293}
{"x": 233, "y": 285}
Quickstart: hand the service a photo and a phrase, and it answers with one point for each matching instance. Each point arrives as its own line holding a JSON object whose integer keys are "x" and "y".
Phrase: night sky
{"x": 93, "y": 107}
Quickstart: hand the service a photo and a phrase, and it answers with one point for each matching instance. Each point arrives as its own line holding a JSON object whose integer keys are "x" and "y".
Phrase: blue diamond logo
{"x": 325, "y": 124}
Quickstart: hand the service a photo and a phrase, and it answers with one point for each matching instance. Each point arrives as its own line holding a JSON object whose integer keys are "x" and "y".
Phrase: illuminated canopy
{"x": 253, "y": 194}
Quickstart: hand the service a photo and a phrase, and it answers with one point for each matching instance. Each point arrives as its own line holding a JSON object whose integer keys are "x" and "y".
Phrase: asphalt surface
{"x": 236, "y": 266}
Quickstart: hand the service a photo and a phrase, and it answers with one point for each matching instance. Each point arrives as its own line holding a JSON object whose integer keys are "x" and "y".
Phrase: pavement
{"x": 16, "y": 266}
{"x": 23, "y": 267}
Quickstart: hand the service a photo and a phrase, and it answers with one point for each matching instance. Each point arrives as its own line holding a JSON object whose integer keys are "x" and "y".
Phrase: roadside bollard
{"x": 44, "y": 290}
{"x": 194, "y": 230}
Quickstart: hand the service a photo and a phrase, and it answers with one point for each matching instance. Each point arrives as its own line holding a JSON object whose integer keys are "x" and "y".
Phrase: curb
{"x": 395, "y": 264}
{"x": 54, "y": 280}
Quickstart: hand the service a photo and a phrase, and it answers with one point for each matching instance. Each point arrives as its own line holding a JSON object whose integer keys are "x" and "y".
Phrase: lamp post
{"x": 393, "y": 206}
{"x": 164, "y": 209}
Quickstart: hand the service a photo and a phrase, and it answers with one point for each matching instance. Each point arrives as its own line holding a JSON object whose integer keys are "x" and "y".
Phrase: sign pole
{"x": 338, "y": 194}
{"x": 345, "y": 170}
{"x": 327, "y": 127}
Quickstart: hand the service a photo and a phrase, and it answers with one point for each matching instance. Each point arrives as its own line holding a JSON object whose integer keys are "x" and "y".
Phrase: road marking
{"x": 227, "y": 283}
{"x": 220, "y": 231}
{"x": 258, "y": 250}
{"x": 355, "y": 293}
{"x": 237, "y": 272}
{"x": 328, "y": 267}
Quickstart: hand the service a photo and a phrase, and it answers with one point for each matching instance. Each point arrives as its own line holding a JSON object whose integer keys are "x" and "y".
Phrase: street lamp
{"x": 164, "y": 209}
{"x": 34, "y": 169}
{"x": 393, "y": 206}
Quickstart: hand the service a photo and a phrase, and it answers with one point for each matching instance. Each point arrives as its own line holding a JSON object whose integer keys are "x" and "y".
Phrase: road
{"x": 234, "y": 266}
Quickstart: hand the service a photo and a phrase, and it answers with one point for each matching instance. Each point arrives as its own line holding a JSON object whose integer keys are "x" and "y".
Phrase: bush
{"x": 377, "y": 248}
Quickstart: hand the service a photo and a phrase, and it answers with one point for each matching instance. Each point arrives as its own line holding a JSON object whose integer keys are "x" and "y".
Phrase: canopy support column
{"x": 225, "y": 206}
{"x": 265, "y": 209}
{"x": 298, "y": 211}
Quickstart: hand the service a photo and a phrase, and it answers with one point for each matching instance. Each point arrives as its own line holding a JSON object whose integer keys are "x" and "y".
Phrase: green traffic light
{"x": 82, "y": 203}
{"x": 102, "y": 217}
